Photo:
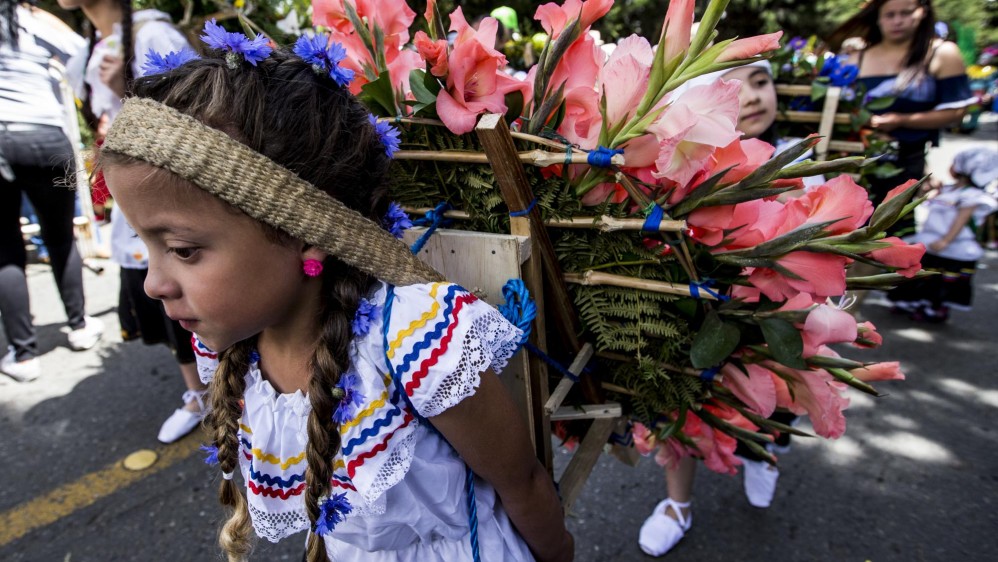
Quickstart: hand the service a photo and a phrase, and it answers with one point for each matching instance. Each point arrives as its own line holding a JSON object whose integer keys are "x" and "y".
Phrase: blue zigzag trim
{"x": 246, "y": 443}
{"x": 437, "y": 331}
{"x": 272, "y": 480}
{"x": 376, "y": 427}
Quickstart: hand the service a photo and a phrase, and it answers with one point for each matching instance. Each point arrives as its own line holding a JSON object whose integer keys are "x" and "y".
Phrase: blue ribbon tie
{"x": 602, "y": 156}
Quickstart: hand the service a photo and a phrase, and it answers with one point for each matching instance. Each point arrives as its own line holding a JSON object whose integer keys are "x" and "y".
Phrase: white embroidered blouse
{"x": 405, "y": 484}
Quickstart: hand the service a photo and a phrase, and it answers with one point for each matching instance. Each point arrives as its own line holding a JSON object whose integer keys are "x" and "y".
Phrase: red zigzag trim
{"x": 353, "y": 464}
{"x": 424, "y": 367}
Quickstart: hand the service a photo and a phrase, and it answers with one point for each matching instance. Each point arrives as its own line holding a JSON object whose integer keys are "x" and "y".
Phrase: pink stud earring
{"x": 312, "y": 268}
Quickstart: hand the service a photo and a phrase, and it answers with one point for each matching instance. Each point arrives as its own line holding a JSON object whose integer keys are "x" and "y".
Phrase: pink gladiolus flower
{"x": 899, "y": 190}
{"x": 750, "y": 47}
{"x": 717, "y": 448}
{"x": 393, "y": 17}
{"x": 578, "y": 70}
{"x": 676, "y": 28}
{"x": 868, "y": 336}
{"x": 825, "y": 325}
{"x": 739, "y": 226}
{"x": 475, "y": 84}
{"x": 693, "y": 127}
{"x": 555, "y": 18}
{"x": 839, "y": 199}
{"x": 644, "y": 439}
{"x": 815, "y": 393}
{"x": 887, "y": 371}
{"x": 755, "y": 389}
{"x": 433, "y": 52}
{"x": 906, "y": 257}
{"x": 624, "y": 78}
{"x": 823, "y": 275}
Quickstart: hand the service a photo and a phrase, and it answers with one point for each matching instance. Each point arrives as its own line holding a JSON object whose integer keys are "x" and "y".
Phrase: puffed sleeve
{"x": 982, "y": 203}
{"x": 953, "y": 92}
{"x": 439, "y": 340}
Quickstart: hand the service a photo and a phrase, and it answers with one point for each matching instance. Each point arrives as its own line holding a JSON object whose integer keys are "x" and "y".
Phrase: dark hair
{"x": 127, "y": 49}
{"x": 864, "y": 24}
{"x": 8, "y": 22}
{"x": 303, "y": 121}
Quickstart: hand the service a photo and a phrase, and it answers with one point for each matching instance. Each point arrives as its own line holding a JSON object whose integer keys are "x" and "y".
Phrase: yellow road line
{"x": 71, "y": 497}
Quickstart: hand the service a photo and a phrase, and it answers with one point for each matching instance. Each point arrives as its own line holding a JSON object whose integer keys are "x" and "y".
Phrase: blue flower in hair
{"x": 331, "y": 512}
{"x": 389, "y": 135}
{"x": 362, "y": 318}
{"x": 158, "y": 64}
{"x": 236, "y": 44}
{"x": 324, "y": 56}
{"x": 212, "y": 451}
{"x": 396, "y": 220}
{"x": 351, "y": 398}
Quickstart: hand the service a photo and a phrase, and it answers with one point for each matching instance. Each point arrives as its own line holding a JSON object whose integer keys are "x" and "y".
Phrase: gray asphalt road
{"x": 915, "y": 477}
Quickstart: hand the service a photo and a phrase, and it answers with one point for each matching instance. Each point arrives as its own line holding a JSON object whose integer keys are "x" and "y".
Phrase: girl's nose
{"x": 158, "y": 285}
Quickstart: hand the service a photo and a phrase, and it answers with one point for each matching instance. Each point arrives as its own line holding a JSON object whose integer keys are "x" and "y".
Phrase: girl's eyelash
{"x": 183, "y": 253}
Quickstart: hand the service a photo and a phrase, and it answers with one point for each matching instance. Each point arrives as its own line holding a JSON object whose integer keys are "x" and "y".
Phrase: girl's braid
{"x": 227, "y": 389}
{"x": 127, "y": 44}
{"x": 342, "y": 293}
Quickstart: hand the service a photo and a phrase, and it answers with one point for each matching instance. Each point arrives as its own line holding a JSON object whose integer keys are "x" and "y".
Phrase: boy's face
{"x": 213, "y": 267}
{"x": 757, "y": 100}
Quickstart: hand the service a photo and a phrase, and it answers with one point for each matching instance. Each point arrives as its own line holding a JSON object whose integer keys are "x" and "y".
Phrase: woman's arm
{"x": 490, "y": 435}
{"x": 933, "y": 119}
{"x": 961, "y": 220}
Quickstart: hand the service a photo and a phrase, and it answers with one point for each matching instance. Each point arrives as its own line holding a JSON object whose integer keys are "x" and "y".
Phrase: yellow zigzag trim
{"x": 379, "y": 403}
{"x": 426, "y": 317}
{"x": 245, "y": 429}
{"x": 268, "y": 458}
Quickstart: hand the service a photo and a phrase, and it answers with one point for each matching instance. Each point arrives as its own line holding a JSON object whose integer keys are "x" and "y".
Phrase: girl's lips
{"x": 755, "y": 115}
{"x": 188, "y": 324}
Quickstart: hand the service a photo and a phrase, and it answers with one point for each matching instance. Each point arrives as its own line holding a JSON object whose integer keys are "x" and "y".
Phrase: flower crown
{"x": 316, "y": 49}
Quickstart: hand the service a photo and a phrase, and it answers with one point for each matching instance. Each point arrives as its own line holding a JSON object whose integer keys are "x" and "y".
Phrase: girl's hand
{"x": 112, "y": 73}
{"x": 938, "y": 246}
{"x": 886, "y": 122}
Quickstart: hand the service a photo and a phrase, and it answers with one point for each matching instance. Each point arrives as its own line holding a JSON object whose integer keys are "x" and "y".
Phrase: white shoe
{"x": 183, "y": 421}
{"x": 21, "y": 371}
{"x": 86, "y": 337}
{"x": 660, "y": 533}
{"x": 760, "y": 482}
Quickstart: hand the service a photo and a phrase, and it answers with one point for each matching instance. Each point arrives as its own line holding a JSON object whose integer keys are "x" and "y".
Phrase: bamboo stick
{"x": 604, "y": 223}
{"x": 592, "y": 278}
{"x": 536, "y": 157}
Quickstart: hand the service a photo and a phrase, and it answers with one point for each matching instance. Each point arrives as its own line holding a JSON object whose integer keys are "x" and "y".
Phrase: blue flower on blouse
{"x": 331, "y": 512}
{"x": 396, "y": 220}
{"x": 235, "y": 44}
{"x": 389, "y": 135}
{"x": 347, "y": 408}
{"x": 158, "y": 64}
{"x": 325, "y": 57}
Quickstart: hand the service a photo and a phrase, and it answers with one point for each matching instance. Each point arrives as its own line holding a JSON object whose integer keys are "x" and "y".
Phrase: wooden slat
{"x": 578, "y": 469}
{"x": 828, "y": 117}
{"x": 565, "y": 384}
{"x": 810, "y": 117}
{"x": 793, "y": 90}
{"x": 855, "y": 147}
{"x": 587, "y": 412}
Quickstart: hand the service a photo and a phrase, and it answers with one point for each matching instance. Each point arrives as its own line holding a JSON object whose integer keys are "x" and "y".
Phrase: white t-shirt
{"x": 404, "y": 483}
{"x": 943, "y": 209}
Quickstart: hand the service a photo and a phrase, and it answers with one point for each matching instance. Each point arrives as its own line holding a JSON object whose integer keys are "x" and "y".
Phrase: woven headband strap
{"x": 212, "y": 160}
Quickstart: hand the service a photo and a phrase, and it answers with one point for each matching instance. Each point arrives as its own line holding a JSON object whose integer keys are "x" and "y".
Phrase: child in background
{"x": 949, "y": 234}
{"x": 350, "y": 386}
{"x": 118, "y": 43}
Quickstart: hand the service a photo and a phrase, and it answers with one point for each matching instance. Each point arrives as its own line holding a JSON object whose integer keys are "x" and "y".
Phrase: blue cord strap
{"x": 705, "y": 286}
{"x": 397, "y": 380}
{"x": 432, "y": 220}
{"x": 519, "y": 308}
{"x": 602, "y": 157}
{"x": 707, "y": 375}
{"x": 526, "y": 211}
{"x": 654, "y": 217}
{"x": 550, "y": 361}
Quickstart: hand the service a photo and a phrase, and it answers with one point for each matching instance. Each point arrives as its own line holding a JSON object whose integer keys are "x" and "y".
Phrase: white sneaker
{"x": 86, "y": 337}
{"x": 183, "y": 421}
{"x": 21, "y": 371}
{"x": 660, "y": 533}
{"x": 760, "y": 482}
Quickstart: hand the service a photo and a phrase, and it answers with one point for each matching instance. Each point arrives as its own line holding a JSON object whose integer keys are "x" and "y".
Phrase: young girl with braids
{"x": 354, "y": 391}
{"x": 116, "y": 52}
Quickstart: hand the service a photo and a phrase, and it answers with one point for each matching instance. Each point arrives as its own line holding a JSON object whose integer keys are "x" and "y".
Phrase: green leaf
{"x": 818, "y": 90}
{"x": 379, "y": 96}
{"x": 784, "y": 341}
{"x": 514, "y": 105}
{"x": 425, "y": 88}
{"x": 715, "y": 341}
{"x": 880, "y": 104}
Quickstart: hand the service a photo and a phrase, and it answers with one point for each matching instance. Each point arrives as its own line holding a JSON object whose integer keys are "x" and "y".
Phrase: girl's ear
{"x": 313, "y": 253}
